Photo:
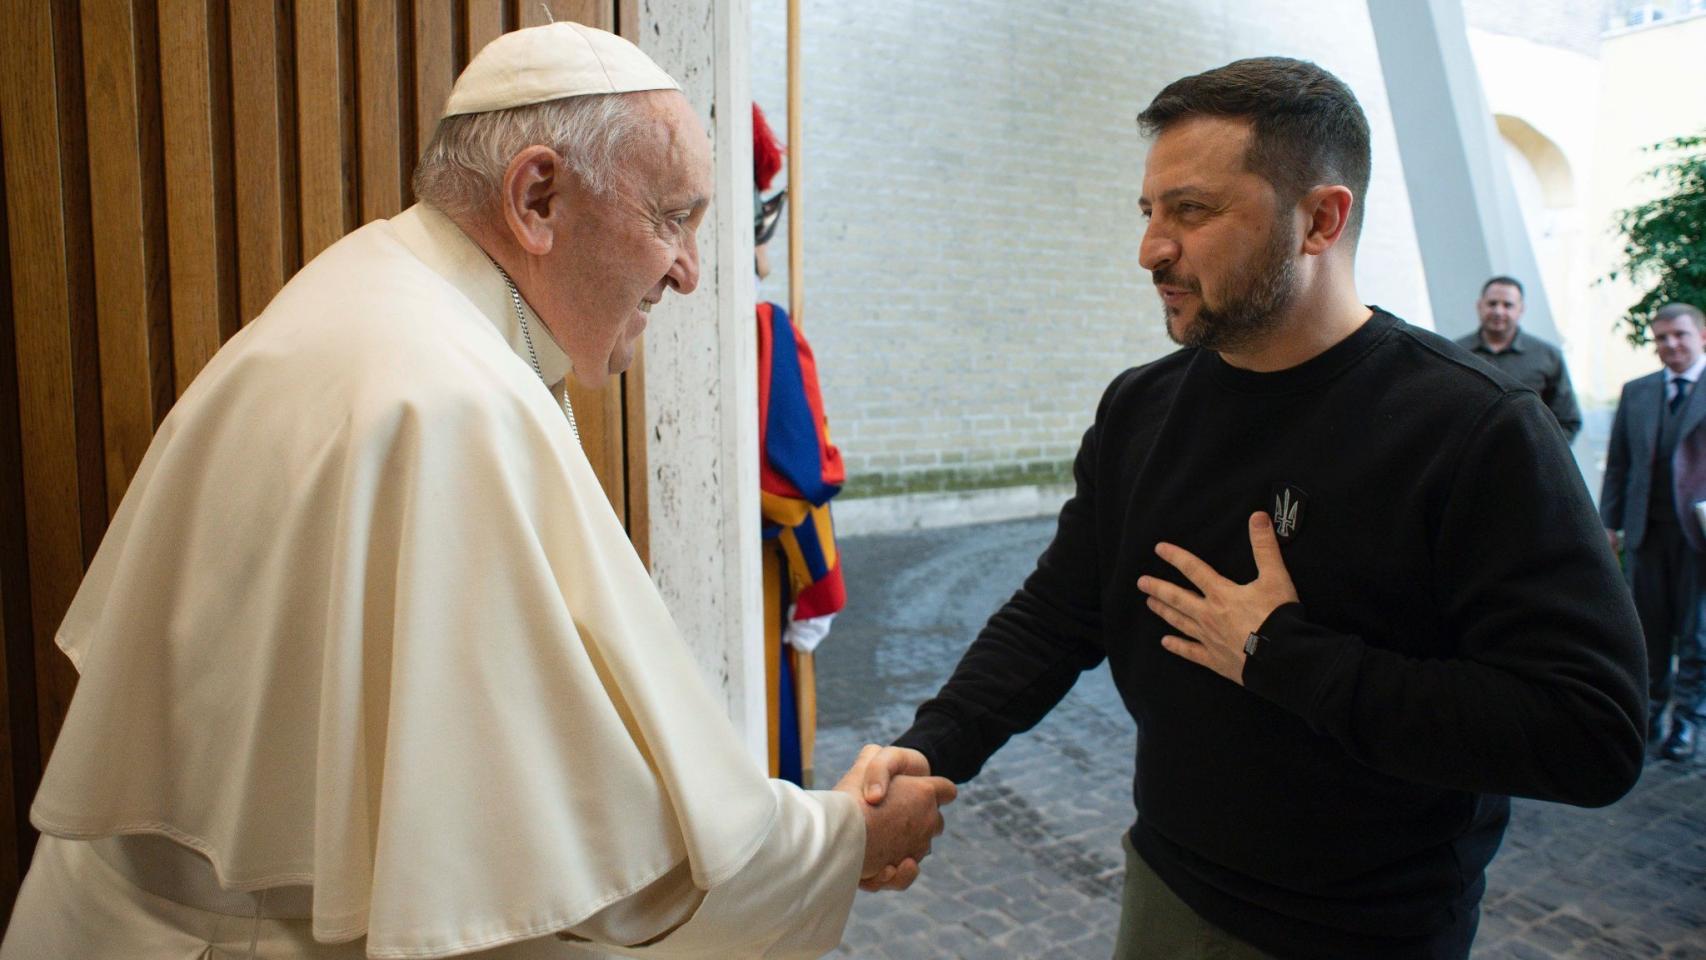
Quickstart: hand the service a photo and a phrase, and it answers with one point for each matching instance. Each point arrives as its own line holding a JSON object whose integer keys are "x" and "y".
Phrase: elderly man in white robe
{"x": 368, "y": 666}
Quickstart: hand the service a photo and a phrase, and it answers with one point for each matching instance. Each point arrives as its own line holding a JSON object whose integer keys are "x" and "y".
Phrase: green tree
{"x": 1665, "y": 238}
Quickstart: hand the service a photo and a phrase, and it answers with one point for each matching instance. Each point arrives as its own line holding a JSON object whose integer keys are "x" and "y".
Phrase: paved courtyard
{"x": 1030, "y": 866}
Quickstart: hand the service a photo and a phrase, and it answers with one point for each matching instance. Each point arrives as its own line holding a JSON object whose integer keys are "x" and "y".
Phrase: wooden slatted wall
{"x": 168, "y": 165}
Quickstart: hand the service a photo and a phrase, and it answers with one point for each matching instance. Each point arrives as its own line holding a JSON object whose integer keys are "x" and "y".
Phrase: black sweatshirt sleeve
{"x": 1546, "y": 695}
{"x": 1031, "y": 651}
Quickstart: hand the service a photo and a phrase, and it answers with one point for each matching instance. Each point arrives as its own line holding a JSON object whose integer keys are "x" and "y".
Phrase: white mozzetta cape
{"x": 365, "y": 621}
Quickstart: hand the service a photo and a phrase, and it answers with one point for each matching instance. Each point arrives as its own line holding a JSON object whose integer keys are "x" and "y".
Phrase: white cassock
{"x": 366, "y": 640}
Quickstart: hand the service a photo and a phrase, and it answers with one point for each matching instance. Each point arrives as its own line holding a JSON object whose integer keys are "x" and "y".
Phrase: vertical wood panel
{"x": 10, "y": 867}
{"x": 348, "y": 91}
{"x": 195, "y": 106}
{"x": 150, "y": 142}
{"x": 320, "y": 123}
{"x": 636, "y": 513}
{"x": 383, "y": 162}
{"x": 263, "y": 222}
{"x": 434, "y": 67}
{"x": 598, "y": 412}
{"x": 485, "y": 21}
{"x": 11, "y": 829}
{"x": 58, "y": 394}
{"x": 593, "y": 13}
{"x": 130, "y": 306}
{"x": 18, "y": 768}
{"x": 20, "y": 752}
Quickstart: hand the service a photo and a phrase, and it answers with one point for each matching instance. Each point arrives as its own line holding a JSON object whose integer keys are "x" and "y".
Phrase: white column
{"x": 1468, "y": 223}
{"x": 702, "y": 377}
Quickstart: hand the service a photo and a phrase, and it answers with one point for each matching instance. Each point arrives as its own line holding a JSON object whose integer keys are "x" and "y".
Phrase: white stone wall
{"x": 971, "y": 230}
{"x": 701, "y": 379}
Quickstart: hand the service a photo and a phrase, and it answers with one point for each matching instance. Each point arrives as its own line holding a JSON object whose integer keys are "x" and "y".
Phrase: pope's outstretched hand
{"x": 901, "y": 818}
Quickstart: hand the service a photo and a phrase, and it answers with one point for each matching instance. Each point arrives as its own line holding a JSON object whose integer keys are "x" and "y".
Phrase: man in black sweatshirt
{"x": 1348, "y": 579}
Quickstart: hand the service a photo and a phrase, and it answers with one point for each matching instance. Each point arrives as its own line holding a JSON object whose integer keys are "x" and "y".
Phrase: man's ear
{"x": 533, "y": 199}
{"x": 1328, "y": 209}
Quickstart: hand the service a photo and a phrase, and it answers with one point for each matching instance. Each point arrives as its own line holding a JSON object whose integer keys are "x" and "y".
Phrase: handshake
{"x": 902, "y": 807}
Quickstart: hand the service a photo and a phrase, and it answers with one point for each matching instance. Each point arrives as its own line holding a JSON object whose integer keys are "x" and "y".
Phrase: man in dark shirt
{"x": 1527, "y": 359}
{"x": 1348, "y": 581}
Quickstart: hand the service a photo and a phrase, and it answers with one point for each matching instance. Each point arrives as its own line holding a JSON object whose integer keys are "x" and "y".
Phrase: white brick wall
{"x": 971, "y": 223}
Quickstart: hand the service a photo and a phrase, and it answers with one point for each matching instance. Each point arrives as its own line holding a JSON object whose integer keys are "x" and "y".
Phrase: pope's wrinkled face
{"x": 1219, "y": 244}
{"x": 616, "y": 253}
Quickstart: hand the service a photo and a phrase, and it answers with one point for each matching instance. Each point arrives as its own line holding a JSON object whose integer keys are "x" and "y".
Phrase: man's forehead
{"x": 1200, "y": 150}
{"x": 1502, "y": 291}
{"x": 673, "y": 156}
{"x": 689, "y": 146}
{"x": 1227, "y": 136}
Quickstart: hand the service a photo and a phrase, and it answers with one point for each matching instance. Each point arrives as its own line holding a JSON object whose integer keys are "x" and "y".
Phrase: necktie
{"x": 1681, "y": 393}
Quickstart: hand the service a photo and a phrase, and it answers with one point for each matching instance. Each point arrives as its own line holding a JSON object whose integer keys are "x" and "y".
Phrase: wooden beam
{"x": 266, "y": 217}
{"x": 434, "y": 68}
{"x": 121, "y": 85}
{"x": 384, "y": 165}
{"x": 11, "y": 870}
{"x": 483, "y": 24}
{"x": 195, "y": 115}
{"x": 593, "y": 13}
{"x": 320, "y": 143}
{"x": 20, "y": 758}
{"x": 53, "y": 315}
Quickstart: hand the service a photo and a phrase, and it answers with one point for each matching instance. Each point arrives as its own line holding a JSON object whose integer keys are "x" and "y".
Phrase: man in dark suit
{"x": 1655, "y": 474}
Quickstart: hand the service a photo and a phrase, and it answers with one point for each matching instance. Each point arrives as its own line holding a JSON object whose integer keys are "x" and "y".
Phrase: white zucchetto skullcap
{"x": 557, "y": 60}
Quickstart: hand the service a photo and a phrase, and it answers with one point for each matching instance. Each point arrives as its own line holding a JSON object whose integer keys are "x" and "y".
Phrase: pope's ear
{"x": 532, "y": 198}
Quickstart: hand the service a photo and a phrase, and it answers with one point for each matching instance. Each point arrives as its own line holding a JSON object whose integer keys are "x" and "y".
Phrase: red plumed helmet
{"x": 766, "y": 152}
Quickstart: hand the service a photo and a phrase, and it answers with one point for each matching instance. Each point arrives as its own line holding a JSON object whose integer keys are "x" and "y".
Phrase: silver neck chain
{"x": 533, "y": 355}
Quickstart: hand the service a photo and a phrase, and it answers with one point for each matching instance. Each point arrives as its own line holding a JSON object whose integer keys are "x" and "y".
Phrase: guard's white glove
{"x": 805, "y": 635}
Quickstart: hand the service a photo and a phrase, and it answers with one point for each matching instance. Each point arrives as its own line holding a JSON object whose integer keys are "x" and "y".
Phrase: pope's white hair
{"x": 462, "y": 168}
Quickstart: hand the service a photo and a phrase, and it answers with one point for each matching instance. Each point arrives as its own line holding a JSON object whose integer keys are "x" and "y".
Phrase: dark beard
{"x": 1259, "y": 294}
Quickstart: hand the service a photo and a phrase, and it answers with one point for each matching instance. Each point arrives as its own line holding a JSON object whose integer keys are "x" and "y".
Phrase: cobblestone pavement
{"x": 1030, "y": 866}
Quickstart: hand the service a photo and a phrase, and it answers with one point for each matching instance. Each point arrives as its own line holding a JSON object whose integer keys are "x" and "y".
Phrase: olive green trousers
{"x": 1156, "y": 925}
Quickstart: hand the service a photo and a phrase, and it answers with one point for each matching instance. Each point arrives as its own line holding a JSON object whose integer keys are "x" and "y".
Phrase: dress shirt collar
{"x": 1518, "y": 342}
{"x": 1692, "y": 374}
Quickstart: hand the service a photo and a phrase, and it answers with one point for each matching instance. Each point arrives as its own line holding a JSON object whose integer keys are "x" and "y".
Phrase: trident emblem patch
{"x": 1288, "y": 508}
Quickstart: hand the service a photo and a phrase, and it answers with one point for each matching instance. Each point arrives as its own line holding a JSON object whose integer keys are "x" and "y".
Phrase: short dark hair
{"x": 1671, "y": 311}
{"x": 1505, "y": 281}
{"x": 1308, "y": 127}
